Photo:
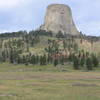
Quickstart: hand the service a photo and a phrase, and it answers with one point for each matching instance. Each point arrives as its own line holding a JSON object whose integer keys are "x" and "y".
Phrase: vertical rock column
{"x": 59, "y": 18}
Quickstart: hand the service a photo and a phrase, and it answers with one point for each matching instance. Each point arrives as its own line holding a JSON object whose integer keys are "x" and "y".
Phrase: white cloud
{"x": 7, "y": 4}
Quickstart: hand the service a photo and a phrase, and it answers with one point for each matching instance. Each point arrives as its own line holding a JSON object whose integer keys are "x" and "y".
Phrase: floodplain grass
{"x": 20, "y": 82}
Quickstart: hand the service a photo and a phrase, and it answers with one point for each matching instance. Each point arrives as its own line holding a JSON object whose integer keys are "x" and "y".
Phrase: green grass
{"x": 20, "y": 82}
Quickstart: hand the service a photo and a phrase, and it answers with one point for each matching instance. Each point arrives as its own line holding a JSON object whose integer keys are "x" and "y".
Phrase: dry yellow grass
{"x": 30, "y": 83}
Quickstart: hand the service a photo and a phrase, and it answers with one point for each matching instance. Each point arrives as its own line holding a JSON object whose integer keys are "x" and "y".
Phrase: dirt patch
{"x": 35, "y": 84}
{"x": 50, "y": 76}
{"x": 85, "y": 85}
{"x": 7, "y": 95}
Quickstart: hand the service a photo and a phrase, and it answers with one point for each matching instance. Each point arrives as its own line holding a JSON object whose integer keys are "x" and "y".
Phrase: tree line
{"x": 13, "y": 45}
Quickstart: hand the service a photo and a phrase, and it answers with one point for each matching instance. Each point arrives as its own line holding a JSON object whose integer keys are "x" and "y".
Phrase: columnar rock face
{"x": 59, "y": 18}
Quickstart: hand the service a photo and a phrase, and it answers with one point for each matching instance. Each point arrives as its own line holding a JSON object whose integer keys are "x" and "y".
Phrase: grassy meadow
{"x": 20, "y": 82}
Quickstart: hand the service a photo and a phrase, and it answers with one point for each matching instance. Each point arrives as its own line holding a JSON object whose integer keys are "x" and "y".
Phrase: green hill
{"x": 40, "y": 47}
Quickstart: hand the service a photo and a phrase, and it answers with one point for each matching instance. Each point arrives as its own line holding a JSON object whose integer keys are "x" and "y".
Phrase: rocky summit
{"x": 58, "y": 18}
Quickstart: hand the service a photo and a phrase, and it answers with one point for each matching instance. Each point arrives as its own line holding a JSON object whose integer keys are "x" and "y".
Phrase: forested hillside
{"x": 40, "y": 47}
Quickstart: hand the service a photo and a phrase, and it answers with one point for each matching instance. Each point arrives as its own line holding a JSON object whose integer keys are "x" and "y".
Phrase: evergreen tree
{"x": 41, "y": 60}
{"x": 76, "y": 63}
{"x": 95, "y": 61}
{"x": 55, "y": 62}
{"x": 37, "y": 59}
{"x": 33, "y": 59}
{"x": 62, "y": 60}
{"x": 89, "y": 63}
{"x": 11, "y": 56}
{"x": 82, "y": 62}
{"x": 44, "y": 59}
{"x": 23, "y": 59}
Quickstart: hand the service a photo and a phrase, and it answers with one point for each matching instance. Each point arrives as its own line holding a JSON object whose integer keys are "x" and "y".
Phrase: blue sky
{"x": 18, "y": 15}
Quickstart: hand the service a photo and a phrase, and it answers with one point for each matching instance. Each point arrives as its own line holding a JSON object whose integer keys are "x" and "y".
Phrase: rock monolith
{"x": 58, "y": 18}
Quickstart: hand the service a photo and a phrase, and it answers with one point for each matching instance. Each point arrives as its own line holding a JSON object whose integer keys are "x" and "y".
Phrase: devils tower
{"x": 59, "y": 18}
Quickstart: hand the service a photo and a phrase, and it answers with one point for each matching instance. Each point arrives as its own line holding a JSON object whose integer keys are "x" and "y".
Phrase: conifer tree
{"x": 95, "y": 61}
{"x": 89, "y": 64}
{"x": 76, "y": 62}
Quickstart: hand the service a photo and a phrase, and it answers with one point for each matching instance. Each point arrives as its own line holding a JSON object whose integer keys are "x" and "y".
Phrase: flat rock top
{"x": 58, "y": 7}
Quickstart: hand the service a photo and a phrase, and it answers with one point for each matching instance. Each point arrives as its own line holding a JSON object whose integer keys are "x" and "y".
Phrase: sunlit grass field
{"x": 20, "y": 82}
